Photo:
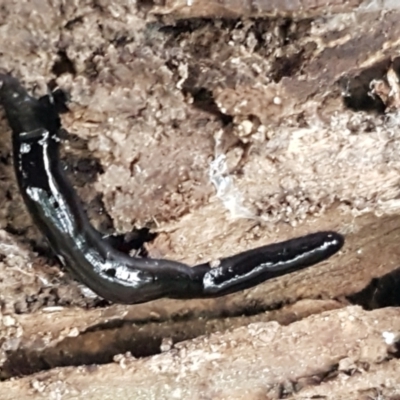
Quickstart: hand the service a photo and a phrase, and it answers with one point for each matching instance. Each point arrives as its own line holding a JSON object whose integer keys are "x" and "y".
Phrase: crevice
{"x": 356, "y": 89}
{"x": 63, "y": 64}
{"x": 380, "y": 292}
{"x": 75, "y": 21}
{"x": 287, "y": 66}
{"x": 147, "y": 5}
{"x": 134, "y": 240}
{"x": 100, "y": 344}
{"x": 203, "y": 99}
{"x": 190, "y": 25}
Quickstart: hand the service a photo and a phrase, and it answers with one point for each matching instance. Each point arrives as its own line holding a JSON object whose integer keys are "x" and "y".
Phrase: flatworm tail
{"x": 57, "y": 211}
{"x": 252, "y": 267}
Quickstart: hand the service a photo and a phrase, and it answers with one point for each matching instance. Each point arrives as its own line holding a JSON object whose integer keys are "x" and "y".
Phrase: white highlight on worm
{"x": 209, "y": 277}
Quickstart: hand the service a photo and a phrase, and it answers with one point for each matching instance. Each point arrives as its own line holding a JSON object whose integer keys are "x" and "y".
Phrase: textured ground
{"x": 352, "y": 357}
{"x": 217, "y": 135}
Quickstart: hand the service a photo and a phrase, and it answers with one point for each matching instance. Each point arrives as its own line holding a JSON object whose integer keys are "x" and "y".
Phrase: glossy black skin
{"x": 113, "y": 275}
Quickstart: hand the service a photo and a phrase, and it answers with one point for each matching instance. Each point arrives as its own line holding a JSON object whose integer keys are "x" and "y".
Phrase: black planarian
{"x": 113, "y": 275}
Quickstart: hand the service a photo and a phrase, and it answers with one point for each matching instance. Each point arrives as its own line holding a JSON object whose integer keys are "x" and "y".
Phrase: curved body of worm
{"x": 113, "y": 275}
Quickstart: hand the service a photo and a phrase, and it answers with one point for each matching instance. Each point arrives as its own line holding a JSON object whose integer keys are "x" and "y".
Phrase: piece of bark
{"x": 72, "y": 337}
{"x": 342, "y": 352}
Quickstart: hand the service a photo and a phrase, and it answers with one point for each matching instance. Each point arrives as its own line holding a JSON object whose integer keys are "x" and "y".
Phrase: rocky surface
{"x": 353, "y": 356}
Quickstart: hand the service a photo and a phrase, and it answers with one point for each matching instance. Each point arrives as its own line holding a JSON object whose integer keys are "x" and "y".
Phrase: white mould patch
{"x": 226, "y": 190}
